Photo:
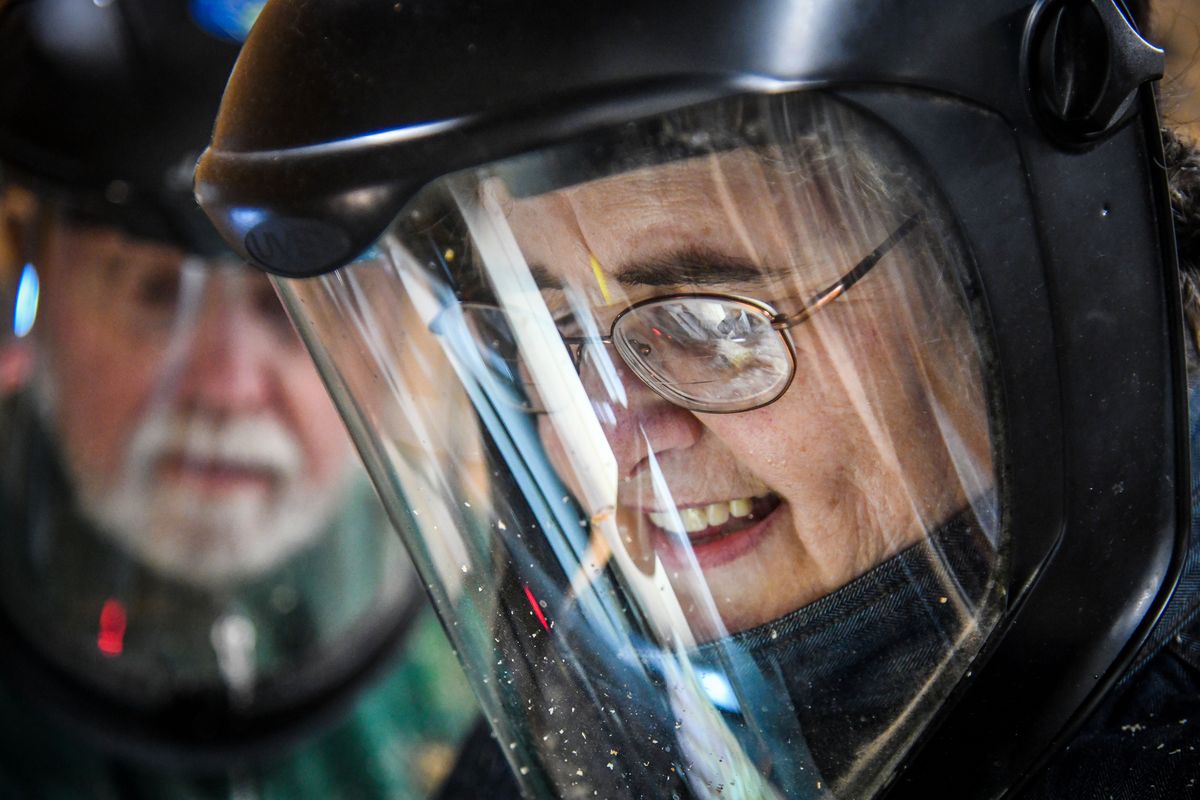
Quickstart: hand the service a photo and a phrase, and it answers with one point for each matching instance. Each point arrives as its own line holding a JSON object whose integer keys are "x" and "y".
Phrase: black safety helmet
{"x": 104, "y": 109}
{"x": 93, "y": 104}
{"x": 1033, "y": 122}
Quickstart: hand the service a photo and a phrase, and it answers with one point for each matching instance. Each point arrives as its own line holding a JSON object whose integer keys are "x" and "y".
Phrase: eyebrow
{"x": 544, "y": 278}
{"x": 692, "y": 265}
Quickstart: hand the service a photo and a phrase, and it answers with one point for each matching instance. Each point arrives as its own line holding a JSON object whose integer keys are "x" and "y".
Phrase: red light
{"x": 536, "y": 608}
{"x": 111, "y": 640}
{"x": 657, "y": 332}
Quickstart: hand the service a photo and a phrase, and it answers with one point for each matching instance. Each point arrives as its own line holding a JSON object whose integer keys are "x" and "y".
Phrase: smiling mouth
{"x": 704, "y": 523}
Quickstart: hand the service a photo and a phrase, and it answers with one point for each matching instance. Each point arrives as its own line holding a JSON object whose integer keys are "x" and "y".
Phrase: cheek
{"x": 828, "y": 429}
{"x": 316, "y": 423}
{"x": 785, "y": 445}
{"x": 554, "y": 451}
{"x": 102, "y": 382}
{"x": 860, "y": 374}
{"x": 863, "y": 406}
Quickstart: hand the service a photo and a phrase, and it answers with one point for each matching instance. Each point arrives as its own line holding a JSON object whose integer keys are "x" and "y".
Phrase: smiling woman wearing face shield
{"x": 736, "y": 381}
{"x": 767, "y": 426}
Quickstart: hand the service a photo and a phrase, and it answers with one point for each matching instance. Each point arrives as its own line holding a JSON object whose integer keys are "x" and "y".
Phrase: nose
{"x": 645, "y": 423}
{"x": 227, "y": 367}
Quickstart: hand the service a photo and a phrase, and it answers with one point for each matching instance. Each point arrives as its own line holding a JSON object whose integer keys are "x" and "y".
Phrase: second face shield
{"x": 688, "y": 425}
{"x": 185, "y": 525}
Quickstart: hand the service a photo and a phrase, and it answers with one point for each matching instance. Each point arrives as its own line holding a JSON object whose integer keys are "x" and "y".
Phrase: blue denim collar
{"x": 856, "y": 666}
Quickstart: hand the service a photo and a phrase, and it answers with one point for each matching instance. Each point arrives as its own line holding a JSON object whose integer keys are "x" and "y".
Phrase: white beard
{"x": 207, "y": 538}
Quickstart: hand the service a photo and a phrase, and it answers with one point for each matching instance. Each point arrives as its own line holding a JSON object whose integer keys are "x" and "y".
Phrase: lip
{"x": 710, "y": 551}
{"x": 215, "y": 476}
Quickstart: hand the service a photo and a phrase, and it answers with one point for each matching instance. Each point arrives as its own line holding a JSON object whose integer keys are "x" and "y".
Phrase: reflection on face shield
{"x": 184, "y": 406}
{"x": 687, "y": 516}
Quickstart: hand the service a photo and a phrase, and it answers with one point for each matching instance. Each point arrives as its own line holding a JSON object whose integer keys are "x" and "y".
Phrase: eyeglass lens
{"x": 705, "y": 353}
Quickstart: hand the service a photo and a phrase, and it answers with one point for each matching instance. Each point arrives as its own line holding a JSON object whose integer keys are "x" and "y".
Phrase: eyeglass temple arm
{"x": 856, "y": 273}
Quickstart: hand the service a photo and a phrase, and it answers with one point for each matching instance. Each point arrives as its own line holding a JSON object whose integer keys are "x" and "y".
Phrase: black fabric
{"x": 481, "y": 770}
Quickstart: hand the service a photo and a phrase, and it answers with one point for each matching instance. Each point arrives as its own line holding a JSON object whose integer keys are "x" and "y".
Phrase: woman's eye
{"x": 568, "y": 326}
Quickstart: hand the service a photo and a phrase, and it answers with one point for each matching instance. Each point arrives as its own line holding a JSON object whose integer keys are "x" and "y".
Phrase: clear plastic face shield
{"x": 688, "y": 428}
{"x": 187, "y": 515}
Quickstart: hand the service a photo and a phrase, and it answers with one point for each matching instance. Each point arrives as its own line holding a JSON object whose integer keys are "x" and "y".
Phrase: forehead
{"x": 678, "y": 201}
{"x": 89, "y": 249}
{"x": 747, "y": 210}
{"x": 88, "y": 243}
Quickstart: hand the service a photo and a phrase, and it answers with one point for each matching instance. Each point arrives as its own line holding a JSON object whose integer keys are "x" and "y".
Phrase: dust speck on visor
{"x": 691, "y": 425}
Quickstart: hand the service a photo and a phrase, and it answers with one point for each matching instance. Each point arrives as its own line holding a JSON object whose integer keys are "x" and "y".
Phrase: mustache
{"x": 254, "y": 441}
{"x": 194, "y": 536}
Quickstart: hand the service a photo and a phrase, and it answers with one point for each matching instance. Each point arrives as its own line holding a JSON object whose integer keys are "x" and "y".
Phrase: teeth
{"x": 697, "y": 518}
{"x": 661, "y": 520}
{"x": 694, "y": 519}
{"x": 717, "y": 513}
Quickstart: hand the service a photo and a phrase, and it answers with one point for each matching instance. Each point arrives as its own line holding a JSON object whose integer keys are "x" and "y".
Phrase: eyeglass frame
{"x": 779, "y": 322}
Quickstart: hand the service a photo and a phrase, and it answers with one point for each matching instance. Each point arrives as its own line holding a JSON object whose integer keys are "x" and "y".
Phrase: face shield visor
{"x": 185, "y": 524}
{"x": 688, "y": 424}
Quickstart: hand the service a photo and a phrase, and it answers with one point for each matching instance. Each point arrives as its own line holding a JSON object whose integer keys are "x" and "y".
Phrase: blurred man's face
{"x": 189, "y": 414}
{"x": 782, "y": 504}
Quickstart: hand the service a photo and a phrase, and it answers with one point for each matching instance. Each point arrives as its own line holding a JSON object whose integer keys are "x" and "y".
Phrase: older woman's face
{"x": 859, "y": 458}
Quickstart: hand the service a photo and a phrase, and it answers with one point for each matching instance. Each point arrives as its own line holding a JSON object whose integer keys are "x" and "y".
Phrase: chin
{"x": 186, "y": 535}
